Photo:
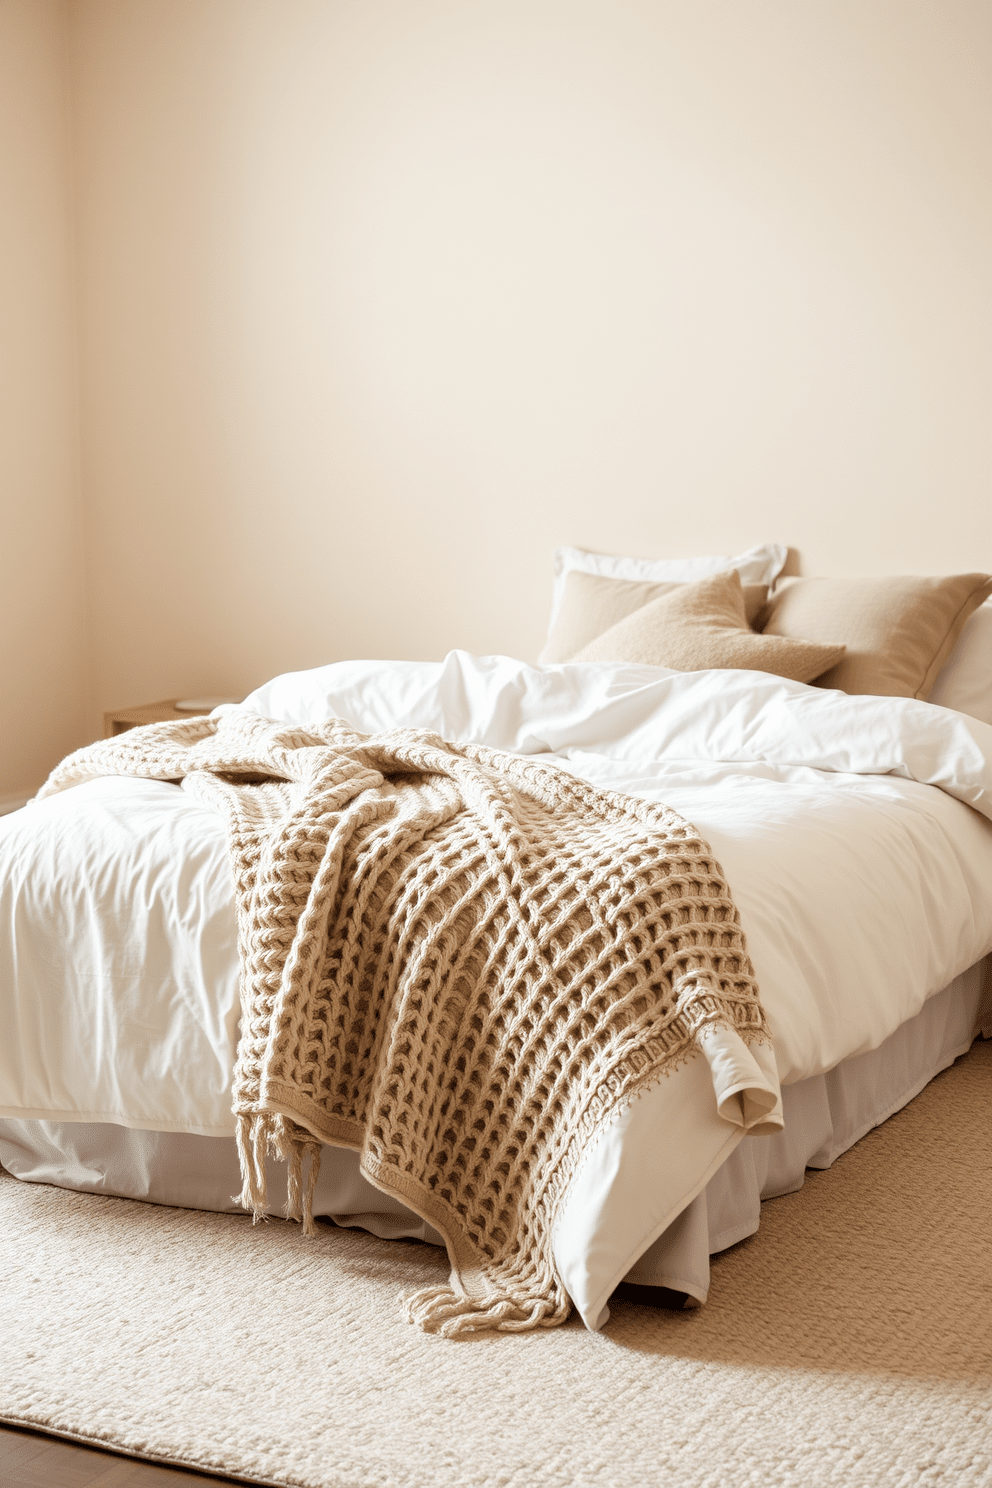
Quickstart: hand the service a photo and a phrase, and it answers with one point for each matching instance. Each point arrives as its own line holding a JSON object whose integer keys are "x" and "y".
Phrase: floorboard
{"x": 30, "y": 1460}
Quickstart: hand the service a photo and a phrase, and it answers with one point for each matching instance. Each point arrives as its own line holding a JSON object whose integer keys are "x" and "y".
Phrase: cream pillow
{"x": 761, "y": 565}
{"x": 699, "y": 626}
{"x": 965, "y": 681}
{"x": 592, "y": 604}
{"x": 898, "y": 631}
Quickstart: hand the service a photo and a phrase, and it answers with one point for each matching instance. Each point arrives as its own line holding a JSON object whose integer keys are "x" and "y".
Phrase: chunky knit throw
{"x": 462, "y": 963}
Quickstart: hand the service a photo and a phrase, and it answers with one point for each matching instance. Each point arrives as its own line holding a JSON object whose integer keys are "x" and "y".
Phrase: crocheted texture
{"x": 462, "y": 963}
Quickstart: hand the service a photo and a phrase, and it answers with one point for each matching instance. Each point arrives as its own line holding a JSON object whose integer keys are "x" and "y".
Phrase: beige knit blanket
{"x": 461, "y": 963}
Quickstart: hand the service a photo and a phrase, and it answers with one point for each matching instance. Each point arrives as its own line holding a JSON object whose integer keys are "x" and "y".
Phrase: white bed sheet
{"x": 853, "y": 833}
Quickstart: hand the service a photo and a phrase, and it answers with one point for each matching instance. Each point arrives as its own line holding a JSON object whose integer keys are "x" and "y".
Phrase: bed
{"x": 854, "y": 829}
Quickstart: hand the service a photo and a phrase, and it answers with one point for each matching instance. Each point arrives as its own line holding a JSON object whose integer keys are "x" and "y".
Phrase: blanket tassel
{"x": 299, "y": 1198}
{"x": 255, "y": 1134}
{"x": 452, "y": 1314}
{"x": 251, "y": 1134}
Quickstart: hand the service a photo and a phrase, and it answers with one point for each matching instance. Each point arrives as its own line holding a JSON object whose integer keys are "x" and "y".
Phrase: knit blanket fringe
{"x": 462, "y": 963}
{"x": 255, "y": 1136}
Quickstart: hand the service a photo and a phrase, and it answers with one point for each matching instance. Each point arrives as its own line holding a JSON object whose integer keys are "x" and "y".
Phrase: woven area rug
{"x": 849, "y": 1342}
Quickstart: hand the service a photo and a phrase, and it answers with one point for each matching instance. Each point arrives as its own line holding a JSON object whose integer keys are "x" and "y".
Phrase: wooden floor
{"x": 29, "y": 1460}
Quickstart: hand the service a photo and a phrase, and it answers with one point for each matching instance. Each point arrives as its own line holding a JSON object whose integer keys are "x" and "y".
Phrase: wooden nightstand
{"x": 119, "y": 720}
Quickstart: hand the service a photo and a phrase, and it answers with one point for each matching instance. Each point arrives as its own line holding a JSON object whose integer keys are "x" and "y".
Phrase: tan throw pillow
{"x": 591, "y": 604}
{"x": 702, "y": 625}
{"x": 898, "y": 631}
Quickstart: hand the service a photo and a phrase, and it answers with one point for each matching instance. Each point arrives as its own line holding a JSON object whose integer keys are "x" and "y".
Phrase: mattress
{"x": 854, "y": 834}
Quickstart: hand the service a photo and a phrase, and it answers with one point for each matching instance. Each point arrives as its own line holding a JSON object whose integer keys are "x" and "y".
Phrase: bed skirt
{"x": 824, "y": 1116}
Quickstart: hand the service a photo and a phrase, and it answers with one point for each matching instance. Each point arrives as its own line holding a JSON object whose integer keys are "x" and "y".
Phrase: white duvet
{"x": 862, "y": 888}
{"x": 854, "y": 833}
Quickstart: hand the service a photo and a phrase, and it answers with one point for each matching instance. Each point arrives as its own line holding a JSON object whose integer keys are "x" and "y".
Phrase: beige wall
{"x": 43, "y": 646}
{"x": 380, "y": 300}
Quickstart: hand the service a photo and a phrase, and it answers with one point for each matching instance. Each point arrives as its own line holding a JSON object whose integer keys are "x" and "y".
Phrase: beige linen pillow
{"x": 590, "y": 604}
{"x": 761, "y": 565}
{"x": 703, "y": 625}
{"x": 898, "y": 631}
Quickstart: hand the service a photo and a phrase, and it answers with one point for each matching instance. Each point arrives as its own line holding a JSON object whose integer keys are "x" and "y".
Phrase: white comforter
{"x": 854, "y": 833}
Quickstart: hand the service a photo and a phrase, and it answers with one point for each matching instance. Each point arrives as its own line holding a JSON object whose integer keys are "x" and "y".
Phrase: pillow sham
{"x": 965, "y": 681}
{"x": 898, "y": 631}
{"x": 761, "y": 565}
{"x": 699, "y": 626}
{"x": 591, "y": 604}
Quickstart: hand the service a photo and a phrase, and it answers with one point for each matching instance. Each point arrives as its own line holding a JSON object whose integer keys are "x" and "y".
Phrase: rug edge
{"x": 103, "y": 1445}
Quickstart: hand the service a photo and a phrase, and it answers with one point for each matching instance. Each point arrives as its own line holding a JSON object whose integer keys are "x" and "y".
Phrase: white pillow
{"x": 964, "y": 682}
{"x": 757, "y": 566}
